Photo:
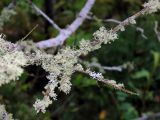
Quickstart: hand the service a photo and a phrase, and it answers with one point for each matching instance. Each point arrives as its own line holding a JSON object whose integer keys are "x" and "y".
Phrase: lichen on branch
{"x": 61, "y": 66}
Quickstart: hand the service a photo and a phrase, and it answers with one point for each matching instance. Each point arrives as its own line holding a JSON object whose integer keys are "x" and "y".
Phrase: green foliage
{"x": 82, "y": 81}
{"x": 88, "y": 99}
{"x": 128, "y": 111}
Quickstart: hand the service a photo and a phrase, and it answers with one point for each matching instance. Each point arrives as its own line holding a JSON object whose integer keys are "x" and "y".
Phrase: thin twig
{"x": 65, "y": 33}
{"x": 127, "y": 21}
{"x": 38, "y": 10}
{"x": 141, "y": 30}
{"x": 118, "y": 88}
{"x": 110, "y": 83}
{"x": 113, "y": 68}
{"x": 156, "y": 30}
{"x": 95, "y": 64}
{"x": 12, "y": 4}
{"x": 29, "y": 33}
{"x": 154, "y": 116}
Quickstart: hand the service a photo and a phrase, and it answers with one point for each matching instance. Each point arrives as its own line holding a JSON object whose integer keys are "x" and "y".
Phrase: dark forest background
{"x": 88, "y": 99}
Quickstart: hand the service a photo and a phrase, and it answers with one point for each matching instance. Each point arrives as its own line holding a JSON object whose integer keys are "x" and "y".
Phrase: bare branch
{"x": 156, "y": 30}
{"x": 154, "y": 116}
{"x": 109, "y": 82}
{"x": 44, "y": 15}
{"x": 113, "y": 68}
{"x": 141, "y": 30}
{"x": 65, "y": 33}
{"x": 95, "y": 64}
{"x": 12, "y": 4}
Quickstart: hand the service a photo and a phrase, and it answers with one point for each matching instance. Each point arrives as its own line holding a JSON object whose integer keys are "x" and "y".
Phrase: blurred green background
{"x": 88, "y": 99}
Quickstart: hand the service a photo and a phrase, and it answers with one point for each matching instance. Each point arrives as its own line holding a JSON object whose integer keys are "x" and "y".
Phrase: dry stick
{"x": 29, "y": 32}
{"x": 66, "y": 32}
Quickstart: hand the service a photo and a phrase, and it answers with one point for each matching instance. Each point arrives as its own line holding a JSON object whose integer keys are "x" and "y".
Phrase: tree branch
{"x": 154, "y": 116}
{"x": 65, "y": 33}
{"x": 133, "y": 17}
{"x": 126, "y": 22}
{"x": 12, "y": 4}
{"x": 141, "y": 30}
{"x": 156, "y": 30}
{"x": 98, "y": 77}
{"x": 44, "y": 16}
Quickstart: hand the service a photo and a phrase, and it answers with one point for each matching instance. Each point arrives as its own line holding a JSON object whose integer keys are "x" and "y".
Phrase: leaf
{"x": 121, "y": 96}
{"x": 128, "y": 111}
{"x": 156, "y": 58}
{"x": 142, "y": 74}
{"x": 82, "y": 81}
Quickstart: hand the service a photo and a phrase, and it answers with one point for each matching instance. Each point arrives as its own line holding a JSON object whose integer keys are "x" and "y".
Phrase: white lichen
{"x": 62, "y": 65}
{"x": 11, "y": 62}
{"x": 132, "y": 20}
{"x": 105, "y": 36}
{"x": 4, "y": 115}
{"x": 40, "y": 105}
{"x": 95, "y": 75}
{"x": 153, "y": 5}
